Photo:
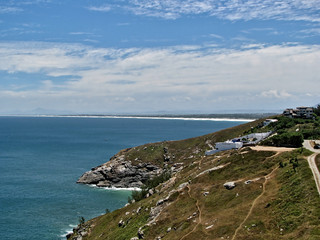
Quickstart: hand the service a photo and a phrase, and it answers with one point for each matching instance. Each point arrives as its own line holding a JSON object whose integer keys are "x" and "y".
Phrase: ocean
{"x": 41, "y": 159}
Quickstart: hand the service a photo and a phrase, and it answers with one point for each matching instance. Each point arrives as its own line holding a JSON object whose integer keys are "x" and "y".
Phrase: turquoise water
{"x": 41, "y": 159}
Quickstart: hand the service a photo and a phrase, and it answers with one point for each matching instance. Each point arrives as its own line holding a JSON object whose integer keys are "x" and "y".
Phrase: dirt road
{"x": 314, "y": 169}
{"x": 312, "y": 163}
{"x": 273, "y": 149}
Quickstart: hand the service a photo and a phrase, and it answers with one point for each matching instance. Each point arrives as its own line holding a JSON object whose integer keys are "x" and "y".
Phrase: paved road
{"x": 312, "y": 163}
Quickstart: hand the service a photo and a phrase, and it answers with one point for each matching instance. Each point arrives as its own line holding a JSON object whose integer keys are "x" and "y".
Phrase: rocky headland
{"x": 123, "y": 172}
{"x": 120, "y": 173}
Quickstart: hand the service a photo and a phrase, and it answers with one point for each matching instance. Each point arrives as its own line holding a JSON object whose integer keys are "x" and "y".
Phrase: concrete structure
{"x": 304, "y": 112}
{"x": 223, "y": 146}
{"x": 289, "y": 112}
{"x": 253, "y": 138}
{"x": 236, "y": 143}
{"x": 299, "y": 112}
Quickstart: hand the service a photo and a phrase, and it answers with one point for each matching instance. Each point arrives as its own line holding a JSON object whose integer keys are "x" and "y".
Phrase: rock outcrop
{"x": 120, "y": 173}
{"x": 229, "y": 185}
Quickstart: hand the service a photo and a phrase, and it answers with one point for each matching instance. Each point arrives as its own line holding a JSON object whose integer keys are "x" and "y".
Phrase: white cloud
{"x": 7, "y": 9}
{"x": 305, "y": 10}
{"x": 103, "y": 8}
{"x": 163, "y": 78}
{"x": 276, "y": 94}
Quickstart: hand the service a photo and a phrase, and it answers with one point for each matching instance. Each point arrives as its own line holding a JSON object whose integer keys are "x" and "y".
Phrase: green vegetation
{"x": 316, "y": 110}
{"x": 287, "y": 139}
{"x": 81, "y": 220}
{"x": 318, "y": 161}
{"x": 295, "y": 202}
{"x": 150, "y": 184}
{"x": 290, "y": 132}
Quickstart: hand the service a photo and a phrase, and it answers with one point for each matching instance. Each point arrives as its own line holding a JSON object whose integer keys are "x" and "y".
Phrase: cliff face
{"x": 120, "y": 173}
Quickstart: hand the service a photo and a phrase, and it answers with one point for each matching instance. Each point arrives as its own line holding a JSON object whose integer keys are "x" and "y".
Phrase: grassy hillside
{"x": 274, "y": 195}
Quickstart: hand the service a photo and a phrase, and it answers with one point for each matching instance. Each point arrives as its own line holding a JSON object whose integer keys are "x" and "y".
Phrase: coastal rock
{"x": 229, "y": 185}
{"x": 121, "y": 223}
{"x": 140, "y": 233}
{"x": 120, "y": 173}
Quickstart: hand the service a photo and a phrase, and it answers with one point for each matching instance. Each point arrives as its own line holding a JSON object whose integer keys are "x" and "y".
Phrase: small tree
{"x": 316, "y": 110}
{"x": 281, "y": 165}
{"x": 81, "y": 220}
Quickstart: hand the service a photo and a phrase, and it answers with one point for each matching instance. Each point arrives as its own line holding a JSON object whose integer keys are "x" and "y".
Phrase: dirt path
{"x": 199, "y": 220}
{"x": 312, "y": 163}
{"x": 273, "y": 149}
{"x": 254, "y": 203}
{"x": 315, "y": 170}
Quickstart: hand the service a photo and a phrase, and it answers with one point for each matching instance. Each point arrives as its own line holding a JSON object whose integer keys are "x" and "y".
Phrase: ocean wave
{"x": 114, "y": 188}
{"x": 67, "y": 231}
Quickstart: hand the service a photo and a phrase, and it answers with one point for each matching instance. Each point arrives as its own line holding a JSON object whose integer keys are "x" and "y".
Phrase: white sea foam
{"x": 123, "y": 189}
{"x": 114, "y": 188}
{"x": 66, "y": 232}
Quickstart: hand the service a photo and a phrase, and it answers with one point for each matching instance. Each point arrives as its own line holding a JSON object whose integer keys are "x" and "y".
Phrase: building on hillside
{"x": 236, "y": 143}
{"x": 305, "y": 112}
{"x": 289, "y": 113}
{"x": 299, "y": 112}
{"x": 223, "y": 146}
{"x": 252, "y": 139}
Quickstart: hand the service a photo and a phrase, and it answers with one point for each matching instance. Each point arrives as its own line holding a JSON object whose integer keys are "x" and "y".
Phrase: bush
{"x": 150, "y": 184}
{"x": 316, "y": 110}
{"x": 81, "y": 220}
{"x": 283, "y": 123}
{"x": 311, "y": 133}
{"x": 139, "y": 195}
{"x": 286, "y": 140}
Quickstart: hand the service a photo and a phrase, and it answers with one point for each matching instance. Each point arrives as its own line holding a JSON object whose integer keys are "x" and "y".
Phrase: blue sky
{"x": 149, "y": 56}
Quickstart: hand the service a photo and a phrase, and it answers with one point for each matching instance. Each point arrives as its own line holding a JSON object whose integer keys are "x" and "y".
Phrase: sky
{"x": 158, "y": 56}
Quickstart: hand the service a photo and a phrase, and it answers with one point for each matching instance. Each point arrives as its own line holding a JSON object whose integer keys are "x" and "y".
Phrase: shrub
{"x": 311, "y": 133}
{"x": 316, "y": 110}
{"x": 81, "y": 220}
{"x": 290, "y": 139}
{"x": 150, "y": 184}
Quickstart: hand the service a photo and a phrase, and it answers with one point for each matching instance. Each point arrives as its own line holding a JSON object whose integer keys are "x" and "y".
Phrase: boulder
{"x": 121, "y": 223}
{"x": 91, "y": 177}
{"x": 140, "y": 233}
{"x": 229, "y": 185}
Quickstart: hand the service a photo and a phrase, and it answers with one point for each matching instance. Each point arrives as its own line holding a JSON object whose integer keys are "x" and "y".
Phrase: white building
{"x": 223, "y": 146}
{"x": 299, "y": 112}
{"x": 304, "y": 112}
{"x": 227, "y": 145}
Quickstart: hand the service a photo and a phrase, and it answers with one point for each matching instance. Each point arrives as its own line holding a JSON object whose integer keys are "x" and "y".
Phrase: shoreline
{"x": 114, "y": 188}
{"x": 138, "y": 117}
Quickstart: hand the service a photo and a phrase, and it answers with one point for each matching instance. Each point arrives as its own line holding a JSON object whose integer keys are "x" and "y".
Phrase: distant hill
{"x": 218, "y": 115}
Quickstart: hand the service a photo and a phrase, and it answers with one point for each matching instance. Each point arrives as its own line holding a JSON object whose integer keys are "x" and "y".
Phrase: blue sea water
{"x": 42, "y": 157}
